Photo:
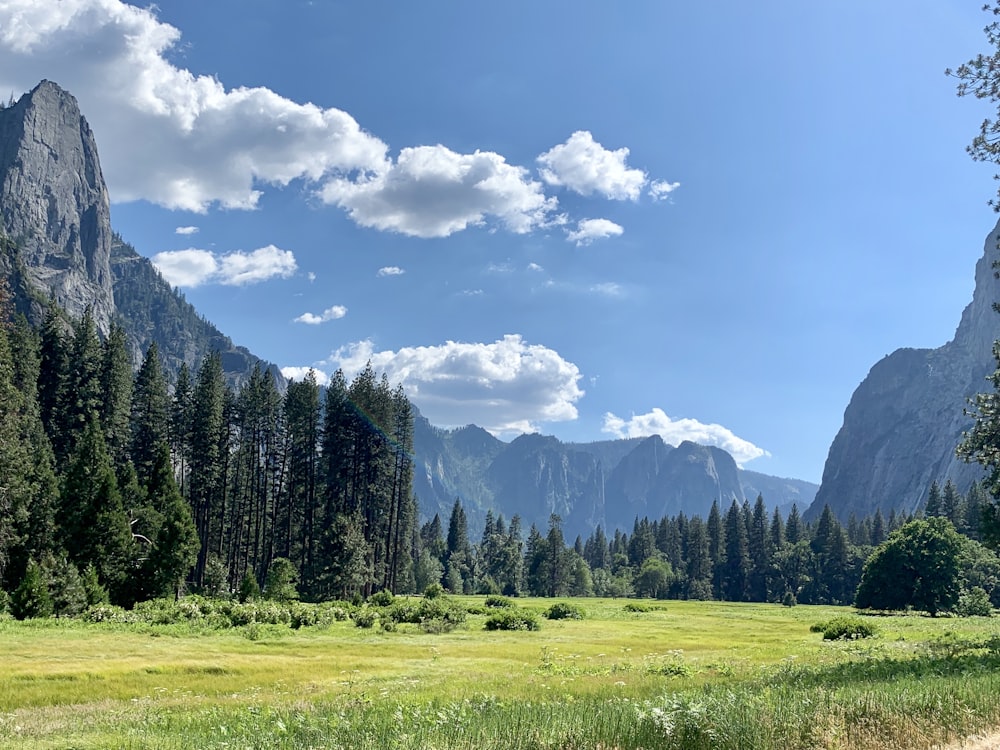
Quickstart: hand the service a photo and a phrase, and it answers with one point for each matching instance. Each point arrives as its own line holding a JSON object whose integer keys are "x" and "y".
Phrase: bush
{"x": 844, "y": 628}
{"x": 365, "y": 618}
{"x": 498, "y": 601}
{"x": 249, "y": 588}
{"x": 436, "y": 615}
{"x": 383, "y": 598}
{"x": 789, "y": 600}
{"x": 513, "y": 619}
{"x": 31, "y": 598}
{"x": 639, "y": 607}
{"x": 974, "y": 603}
{"x": 564, "y": 611}
{"x": 434, "y": 591}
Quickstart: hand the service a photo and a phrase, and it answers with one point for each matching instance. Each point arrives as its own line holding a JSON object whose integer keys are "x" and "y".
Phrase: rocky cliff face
{"x": 58, "y": 243}
{"x": 906, "y": 418}
{"x": 53, "y": 201}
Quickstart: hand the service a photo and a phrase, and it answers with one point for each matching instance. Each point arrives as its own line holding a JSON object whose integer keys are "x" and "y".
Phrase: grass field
{"x": 682, "y": 675}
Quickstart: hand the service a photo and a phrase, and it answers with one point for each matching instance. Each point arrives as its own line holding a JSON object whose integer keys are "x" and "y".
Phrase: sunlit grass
{"x": 684, "y": 674}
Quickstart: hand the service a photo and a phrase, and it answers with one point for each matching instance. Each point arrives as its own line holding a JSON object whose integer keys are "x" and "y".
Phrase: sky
{"x": 706, "y": 221}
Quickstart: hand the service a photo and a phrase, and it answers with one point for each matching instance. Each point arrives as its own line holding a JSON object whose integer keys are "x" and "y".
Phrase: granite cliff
{"x": 906, "y": 417}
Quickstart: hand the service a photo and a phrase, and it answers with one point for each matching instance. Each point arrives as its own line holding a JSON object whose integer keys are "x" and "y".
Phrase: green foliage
{"x": 280, "y": 583}
{"x": 917, "y": 566}
{"x": 434, "y": 591}
{"x": 844, "y": 628}
{"x": 69, "y": 597}
{"x": 513, "y": 619}
{"x": 436, "y": 615}
{"x": 249, "y": 588}
{"x": 974, "y": 603}
{"x": 565, "y": 611}
{"x": 499, "y": 602}
{"x": 31, "y": 598}
{"x": 382, "y": 598}
{"x": 365, "y": 617}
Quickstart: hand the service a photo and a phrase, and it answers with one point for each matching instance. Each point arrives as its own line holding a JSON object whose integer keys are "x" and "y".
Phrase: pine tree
{"x": 760, "y": 550}
{"x": 716, "y": 548}
{"x": 699, "y": 562}
{"x": 794, "y": 532}
{"x": 207, "y": 472}
{"x": 737, "y": 564}
{"x": 933, "y": 505}
{"x": 116, "y": 403}
{"x": 95, "y": 528}
{"x": 175, "y": 549}
{"x": 149, "y": 413}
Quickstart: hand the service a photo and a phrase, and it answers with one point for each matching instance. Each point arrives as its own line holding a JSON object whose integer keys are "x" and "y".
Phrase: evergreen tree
{"x": 95, "y": 528}
{"x": 280, "y": 583}
{"x": 794, "y": 531}
{"x": 736, "y": 567}
{"x": 760, "y": 550}
{"x": 53, "y": 378}
{"x": 952, "y": 505}
{"x": 933, "y": 506}
{"x": 31, "y": 598}
{"x": 207, "y": 471}
{"x": 716, "y": 549}
{"x": 699, "y": 561}
{"x": 878, "y": 534}
{"x": 116, "y": 397}
{"x": 175, "y": 549}
{"x": 149, "y": 410}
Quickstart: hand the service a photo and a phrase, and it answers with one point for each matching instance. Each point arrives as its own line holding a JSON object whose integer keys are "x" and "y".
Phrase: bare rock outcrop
{"x": 906, "y": 417}
{"x": 55, "y": 203}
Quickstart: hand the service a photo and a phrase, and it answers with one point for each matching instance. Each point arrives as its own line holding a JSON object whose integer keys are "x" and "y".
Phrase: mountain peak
{"x": 56, "y": 207}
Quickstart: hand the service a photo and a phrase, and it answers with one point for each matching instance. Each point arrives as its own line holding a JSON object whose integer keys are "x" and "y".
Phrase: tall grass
{"x": 692, "y": 675}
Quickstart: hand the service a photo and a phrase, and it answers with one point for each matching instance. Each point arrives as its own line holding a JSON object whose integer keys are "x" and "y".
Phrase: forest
{"x": 119, "y": 486}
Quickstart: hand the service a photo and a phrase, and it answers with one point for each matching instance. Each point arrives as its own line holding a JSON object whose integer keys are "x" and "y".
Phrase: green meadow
{"x": 678, "y": 675}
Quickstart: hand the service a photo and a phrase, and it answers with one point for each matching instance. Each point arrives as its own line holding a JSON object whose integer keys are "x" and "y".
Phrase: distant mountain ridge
{"x": 607, "y": 483}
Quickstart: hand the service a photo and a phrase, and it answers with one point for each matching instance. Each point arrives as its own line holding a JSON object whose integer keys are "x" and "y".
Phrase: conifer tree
{"x": 116, "y": 397}
{"x": 149, "y": 413}
{"x": 175, "y": 548}
{"x": 737, "y": 564}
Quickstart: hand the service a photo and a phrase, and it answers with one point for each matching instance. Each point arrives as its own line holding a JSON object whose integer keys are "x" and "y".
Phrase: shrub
{"x": 789, "y": 600}
{"x": 974, "y": 603}
{"x": 31, "y": 598}
{"x": 844, "y": 628}
{"x": 249, "y": 588}
{"x": 564, "y": 611}
{"x": 639, "y": 607}
{"x": 434, "y": 591}
{"x": 365, "y": 618}
{"x": 498, "y": 601}
{"x": 382, "y": 598}
{"x": 281, "y": 578}
{"x": 513, "y": 619}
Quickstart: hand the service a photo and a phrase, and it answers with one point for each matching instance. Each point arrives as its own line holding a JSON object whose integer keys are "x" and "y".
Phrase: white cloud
{"x": 608, "y": 289}
{"x": 432, "y": 191}
{"x": 674, "y": 432}
{"x": 193, "y": 267}
{"x": 331, "y": 313}
{"x": 186, "y": 230}
{"x": 584, "y": 166}
{"x": 166, "y": 134}
{"x": 661, "y": 189}
{"x": 390, "y": 271}
{"x": 299, "y": 374}
{"x": 505, "y": 386}
{"x": 535, "y": 267}
{"x": 185, "y": 141}
{"x": 190, "y": 268}
{"x": 589, "y": 230}
{"x": 311, "y": 276}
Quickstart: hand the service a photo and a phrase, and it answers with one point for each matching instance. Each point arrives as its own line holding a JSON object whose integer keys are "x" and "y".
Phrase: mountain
{"x": 906, "y": 417}
{"x": 55, "y": 220}
{"x": 607, "y": 483}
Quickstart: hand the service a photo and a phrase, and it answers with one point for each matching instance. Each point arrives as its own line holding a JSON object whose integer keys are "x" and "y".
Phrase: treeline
{"x": 740, "y": 554}
{"x": 120, "y": 486}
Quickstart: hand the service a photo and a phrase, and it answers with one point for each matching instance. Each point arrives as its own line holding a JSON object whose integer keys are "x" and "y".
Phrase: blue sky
{"x": 706, "y": 221}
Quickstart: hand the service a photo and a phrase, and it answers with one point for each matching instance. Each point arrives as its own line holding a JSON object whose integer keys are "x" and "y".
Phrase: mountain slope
{"x": 906, "y": 417}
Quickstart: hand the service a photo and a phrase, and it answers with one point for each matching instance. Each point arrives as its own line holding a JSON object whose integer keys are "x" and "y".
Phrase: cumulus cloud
{"x": 676, "y": 431}
{"x": 661, "y": 189}
{"x": 300, "y": 373}
{"x": 331, "y": 313}
{"x": 193, "y": 267}
{"x": 535, "y": 267}
{"x": 589, "y": 230}
{"x": 167, "y": 135}
{"x": 390, "y": 271}
{"x": 185, "y": 141}
{"x": 432, "y": 191}
{"x": 505, "y": 386}
{"x": 584, "y": 166}
{"x": 186, "y": 230}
